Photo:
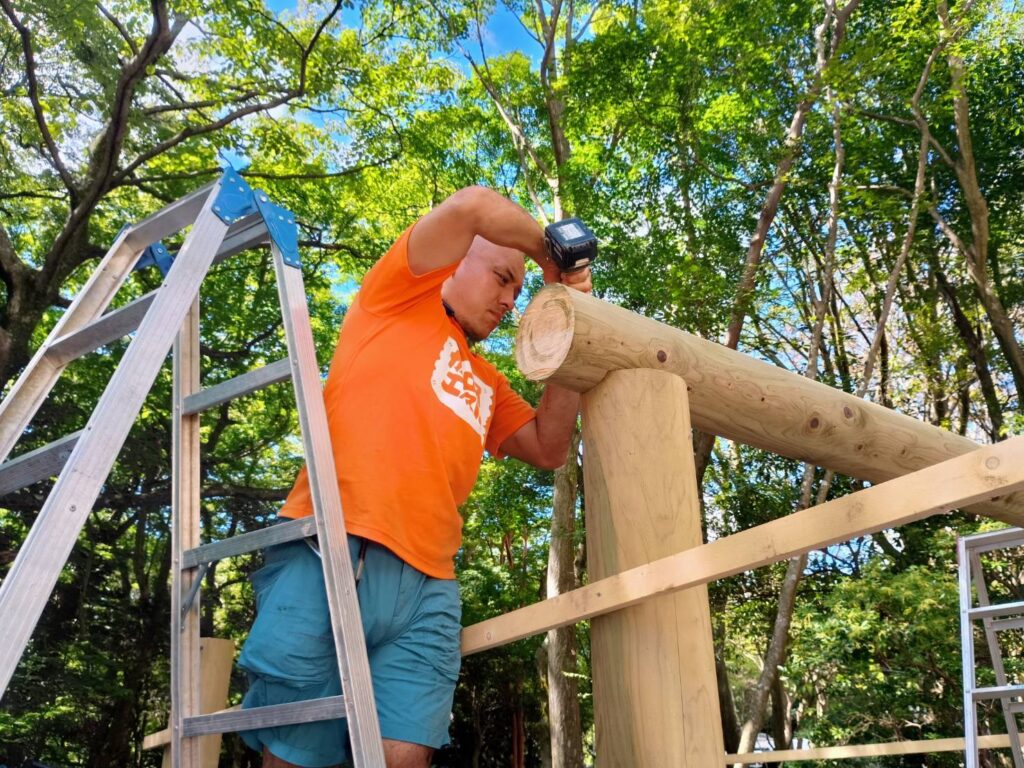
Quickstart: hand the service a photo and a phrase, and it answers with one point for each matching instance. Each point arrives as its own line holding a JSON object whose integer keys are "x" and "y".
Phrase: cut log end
{"x": 545, "y": 333}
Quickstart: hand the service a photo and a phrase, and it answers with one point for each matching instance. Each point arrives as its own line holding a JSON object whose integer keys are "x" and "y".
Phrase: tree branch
{"x": 33, "y": 95}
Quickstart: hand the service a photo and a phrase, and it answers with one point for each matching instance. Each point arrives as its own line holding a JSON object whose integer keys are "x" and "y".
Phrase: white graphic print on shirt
{"x": 459, "y": 389}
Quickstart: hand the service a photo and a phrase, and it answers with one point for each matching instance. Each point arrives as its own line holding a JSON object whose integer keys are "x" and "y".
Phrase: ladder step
{"x": 230, "y": 720}
{"x": 241, "y": 235}
{"x": 1000, "y": 609}
{"x": 249, "y": 542}
{"x": 236, "y": 387}
{"x": 998, "y": 692}
{"x": 105, "y": 329}
{"x": 1000, "y": 625}
{"x": 986, "y": 542}
{"x": 37, "y": 465}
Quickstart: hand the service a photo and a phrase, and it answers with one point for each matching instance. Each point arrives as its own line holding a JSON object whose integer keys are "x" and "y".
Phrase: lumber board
{"x": 853, "y": 751}
{"x": 990, "y": 471}
{"x": 574, "y": 340}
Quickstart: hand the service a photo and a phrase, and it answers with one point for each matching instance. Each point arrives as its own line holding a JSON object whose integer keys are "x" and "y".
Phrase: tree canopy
{"x": 832, "y": 187}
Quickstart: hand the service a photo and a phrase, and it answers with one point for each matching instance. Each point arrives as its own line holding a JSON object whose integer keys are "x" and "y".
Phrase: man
{"x": 411, "y": 408}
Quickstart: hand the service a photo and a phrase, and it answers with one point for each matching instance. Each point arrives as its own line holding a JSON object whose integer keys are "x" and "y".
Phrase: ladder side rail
{"x": 42, "y": 372}
{"x": 171, "y": 218}
{"x": 185, "y": 530}
{"x": 25, "y": 591}
{"x": 967, "y": 656}
{"x": 996, "y": 652}
{"x": 45, "y": 367}
{"x": 349, "y": 642}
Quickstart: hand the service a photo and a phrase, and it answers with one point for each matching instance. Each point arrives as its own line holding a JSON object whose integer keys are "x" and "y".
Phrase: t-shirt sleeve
{"x": 390, "y": 286}
{"x": 510, "y": 413}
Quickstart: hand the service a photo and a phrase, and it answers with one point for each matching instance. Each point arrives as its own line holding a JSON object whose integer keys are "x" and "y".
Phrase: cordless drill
{"x": 570, "y": 244}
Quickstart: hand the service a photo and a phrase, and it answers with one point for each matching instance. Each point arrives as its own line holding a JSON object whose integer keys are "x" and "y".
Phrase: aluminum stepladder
{"x": 995, "y": 619}
{"x": 227, "y": 217}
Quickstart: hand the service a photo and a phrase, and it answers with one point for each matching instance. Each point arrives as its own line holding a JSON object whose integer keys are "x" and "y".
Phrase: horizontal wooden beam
{"x": 921, "y": 747}
{"x": 574, "y": 340}
{"x": 968, "y": 479}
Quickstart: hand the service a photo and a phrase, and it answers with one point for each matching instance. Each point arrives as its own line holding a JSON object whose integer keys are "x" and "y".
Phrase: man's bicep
{"x": 443, "y": 236}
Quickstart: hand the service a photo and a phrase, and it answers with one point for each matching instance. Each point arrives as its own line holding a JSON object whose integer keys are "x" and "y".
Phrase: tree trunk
{"x": 563, "y": 691}
{"x": 976, "y": 351}
{"x": 976, "y": 253}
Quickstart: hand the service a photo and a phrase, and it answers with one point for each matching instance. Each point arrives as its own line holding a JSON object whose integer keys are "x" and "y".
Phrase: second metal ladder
{"x": 995, "y": 619}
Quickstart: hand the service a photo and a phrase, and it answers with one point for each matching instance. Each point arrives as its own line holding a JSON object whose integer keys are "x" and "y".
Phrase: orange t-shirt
{"x": 410, "y": 409}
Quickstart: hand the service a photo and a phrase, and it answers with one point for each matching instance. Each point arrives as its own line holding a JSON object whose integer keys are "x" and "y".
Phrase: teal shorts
{"x": 411, "y": 622}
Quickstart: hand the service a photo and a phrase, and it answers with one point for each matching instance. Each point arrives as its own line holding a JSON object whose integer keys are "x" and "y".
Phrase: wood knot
{"x": 815, "y": 423}
{"x": 992, "y": 462}
{"x": 847, "y": 411}
{"x": 662, "y": 357}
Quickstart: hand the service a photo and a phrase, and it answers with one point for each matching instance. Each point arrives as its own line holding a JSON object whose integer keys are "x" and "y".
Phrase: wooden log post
{"x": 655, "y": 691}
{"x": 574, "y": 340}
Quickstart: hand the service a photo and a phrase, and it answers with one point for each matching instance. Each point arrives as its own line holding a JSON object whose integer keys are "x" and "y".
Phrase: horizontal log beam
{"x": 982, "y": 474}
{"x": 573, "y": 339}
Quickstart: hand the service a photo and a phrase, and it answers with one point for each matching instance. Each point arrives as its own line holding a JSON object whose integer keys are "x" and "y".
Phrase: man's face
{"x": 484, "y": 287}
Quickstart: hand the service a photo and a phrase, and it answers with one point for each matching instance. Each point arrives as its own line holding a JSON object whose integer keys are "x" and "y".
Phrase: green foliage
{"x": 676, "y": 115}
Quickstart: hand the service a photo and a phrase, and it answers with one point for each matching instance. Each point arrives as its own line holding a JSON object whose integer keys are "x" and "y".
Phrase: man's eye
{"x": 501, "y": 278}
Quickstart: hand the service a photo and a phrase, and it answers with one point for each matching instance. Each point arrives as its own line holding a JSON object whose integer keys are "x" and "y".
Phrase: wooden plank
{"x": 213, "y": 396}
{"x": 347, "y": 627}
{"x": 653, "y": 664}
{"x": 217, "y": 658}
{"x": 186, "y": 527}
{"x": 574, "y": 339}
{"x": 230, "y": 720}
{"x": 983, "y": 474}
{"x": 110, "y": 327}
{"x": 25, "y": 591}
{"x": 36, "y": 465}
{"x": 249, "y": 542}
{"x": 853, "y": 751}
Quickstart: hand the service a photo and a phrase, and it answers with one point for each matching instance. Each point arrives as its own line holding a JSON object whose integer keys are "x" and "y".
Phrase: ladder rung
{"x": 37, "y": 465}
{"x": 236, "y": 387}
{"x": 105, "y": 329}
{"x": 250, "y": 542}
{"x": 241, "y": 235}
{"x": 1000, "y": 609}
{"x": 998, "y": 692}
{"x": 228, "y": 720}
{"x": 985, "y": 542}
{"x": 1000, "y": 625}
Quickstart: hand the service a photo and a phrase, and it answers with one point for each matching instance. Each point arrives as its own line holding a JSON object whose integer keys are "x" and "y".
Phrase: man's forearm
{"x": 556, "y": 419}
